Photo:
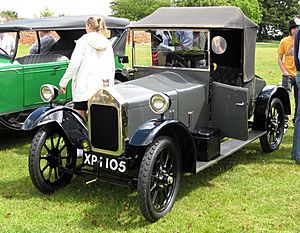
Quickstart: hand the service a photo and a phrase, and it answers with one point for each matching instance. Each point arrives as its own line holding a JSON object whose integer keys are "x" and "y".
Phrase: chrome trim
{"x": 110, "y": 97}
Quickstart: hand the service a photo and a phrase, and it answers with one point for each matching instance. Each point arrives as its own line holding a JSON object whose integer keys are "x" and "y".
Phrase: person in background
{"x": 46, "y": 40}
{"x": 287, "y": 64}
{"x": 186, "y": 39}
{"x": 92, "y": 65}
{"x": 7, "y": 44}
{"x": 296, "y": 137}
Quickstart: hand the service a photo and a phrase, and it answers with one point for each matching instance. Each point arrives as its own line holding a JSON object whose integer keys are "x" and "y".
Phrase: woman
{"x": 91, "y": 66}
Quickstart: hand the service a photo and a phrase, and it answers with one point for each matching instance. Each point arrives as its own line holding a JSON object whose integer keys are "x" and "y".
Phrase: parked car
{"x": 191, "y": 103}
{"x": 22, "y": 76}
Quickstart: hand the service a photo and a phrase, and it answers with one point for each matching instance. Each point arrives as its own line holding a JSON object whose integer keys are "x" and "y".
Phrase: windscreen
{"x": 171, "y": 48}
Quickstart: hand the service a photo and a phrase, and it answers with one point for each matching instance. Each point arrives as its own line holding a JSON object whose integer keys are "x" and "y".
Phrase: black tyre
{"x": 159, "y": 178}
{"x": 275, "y": 127}
{"x": 50, "y": 153}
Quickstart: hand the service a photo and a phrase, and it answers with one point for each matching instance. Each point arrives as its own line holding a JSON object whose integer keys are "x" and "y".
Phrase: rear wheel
{"x": 275, "y": 127}
{"x": 159, "y": 178}
{"x": 50, "y": 154}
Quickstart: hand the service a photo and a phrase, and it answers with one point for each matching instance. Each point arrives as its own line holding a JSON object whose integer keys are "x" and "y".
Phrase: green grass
{"x": 23, "y": 49}
{"x": 247, "y": 192}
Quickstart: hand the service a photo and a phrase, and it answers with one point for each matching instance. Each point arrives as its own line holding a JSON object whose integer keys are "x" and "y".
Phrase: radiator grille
{"x": 104, "y": 127}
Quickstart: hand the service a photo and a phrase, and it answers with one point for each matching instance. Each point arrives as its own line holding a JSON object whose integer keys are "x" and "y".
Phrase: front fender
{"x": 151, "y": 129}
{"x": 263, "y": 103}
{"x": 65, "y": 118}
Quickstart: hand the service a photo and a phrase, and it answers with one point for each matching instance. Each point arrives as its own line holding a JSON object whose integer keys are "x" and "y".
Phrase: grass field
{"x": 247, "y": 192}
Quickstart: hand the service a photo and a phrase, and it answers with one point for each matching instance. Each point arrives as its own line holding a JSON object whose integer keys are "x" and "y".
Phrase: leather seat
{"x": 228, "y": 75}
{"x": 41, "y": 58}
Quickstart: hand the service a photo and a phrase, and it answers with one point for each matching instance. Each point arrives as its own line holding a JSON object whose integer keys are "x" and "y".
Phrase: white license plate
{"x": 105, "y": 163}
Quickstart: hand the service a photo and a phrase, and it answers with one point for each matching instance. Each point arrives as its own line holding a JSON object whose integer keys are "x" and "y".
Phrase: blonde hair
{"x": 98, "y": 24}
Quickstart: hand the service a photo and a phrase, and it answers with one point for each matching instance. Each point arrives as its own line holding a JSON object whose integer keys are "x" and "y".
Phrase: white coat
{"x": 92, "y": 62}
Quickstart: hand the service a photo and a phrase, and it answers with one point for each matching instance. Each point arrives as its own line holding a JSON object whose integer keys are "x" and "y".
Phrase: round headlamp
{"x": 48, "y": 93}
{"x": 159, "y": 103}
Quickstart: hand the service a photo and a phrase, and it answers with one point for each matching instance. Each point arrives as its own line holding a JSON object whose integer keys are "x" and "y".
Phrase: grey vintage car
{"x": 193, "y": 99}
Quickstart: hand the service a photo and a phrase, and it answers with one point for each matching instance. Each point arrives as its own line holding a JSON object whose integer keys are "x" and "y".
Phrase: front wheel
{"x": 159, "y": 178}
{"x": 50, "y": 157}
{"x": 275, "y": 127}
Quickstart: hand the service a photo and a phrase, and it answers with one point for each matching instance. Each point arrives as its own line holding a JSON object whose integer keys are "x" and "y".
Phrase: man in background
{"x": 287, "y": 64}
{"x": 47, "y": 41}
{"x": 7, "y": 44}
{"x": 296, "y": 136}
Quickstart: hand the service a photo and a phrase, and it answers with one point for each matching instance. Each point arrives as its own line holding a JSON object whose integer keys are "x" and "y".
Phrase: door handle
{"x": 55, "y": 69}
{"x": 240, "y": 104}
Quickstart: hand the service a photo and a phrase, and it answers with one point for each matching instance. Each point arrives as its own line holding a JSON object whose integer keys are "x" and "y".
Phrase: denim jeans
{"x": 288, "y": 82}
{"x": 296, "y": 139}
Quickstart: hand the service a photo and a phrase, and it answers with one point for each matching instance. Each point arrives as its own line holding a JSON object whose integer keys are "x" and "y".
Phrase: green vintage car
{"x": 22, "y": 76}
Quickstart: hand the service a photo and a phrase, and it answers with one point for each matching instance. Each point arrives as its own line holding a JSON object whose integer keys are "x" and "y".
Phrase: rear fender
{"x": 65, "y": 118}
{"x": 263, "y": 104}
{"x": 151, "y": 129}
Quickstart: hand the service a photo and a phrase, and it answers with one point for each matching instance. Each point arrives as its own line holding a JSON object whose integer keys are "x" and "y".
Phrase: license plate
{"x": 105, "y": 163}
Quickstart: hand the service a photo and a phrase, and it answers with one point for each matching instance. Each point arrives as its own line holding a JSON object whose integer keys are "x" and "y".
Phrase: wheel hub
{"x": 165, "y": 179}
{"x": 274, "y": 124}
{"x": 53, "y": 158}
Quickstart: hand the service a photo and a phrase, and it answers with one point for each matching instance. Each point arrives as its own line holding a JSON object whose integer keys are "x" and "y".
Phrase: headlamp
{"x": 160, "y": 103}
{"x": 48, "y": 93}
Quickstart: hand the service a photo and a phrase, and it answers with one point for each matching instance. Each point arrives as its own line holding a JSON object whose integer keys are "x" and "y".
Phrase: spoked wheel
{"x": 275, "y": 127}
{"x": 159, "y": 178}
{"x": 50, "y": 153}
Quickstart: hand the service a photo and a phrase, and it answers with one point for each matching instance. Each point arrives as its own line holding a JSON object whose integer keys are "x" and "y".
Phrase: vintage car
{"x": 22, "y": 76}
{"x": 193, "y": 101}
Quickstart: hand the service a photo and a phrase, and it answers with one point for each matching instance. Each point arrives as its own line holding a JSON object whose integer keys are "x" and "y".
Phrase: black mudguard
{"x": 65, "y": 118}
{"x": 154, "y": 128}
{"x": 263, "y": 103}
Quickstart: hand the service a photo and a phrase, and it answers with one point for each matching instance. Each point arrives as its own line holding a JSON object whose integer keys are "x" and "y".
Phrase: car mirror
{"x": 123, "y": 59}
{"x": 127, "y": 71}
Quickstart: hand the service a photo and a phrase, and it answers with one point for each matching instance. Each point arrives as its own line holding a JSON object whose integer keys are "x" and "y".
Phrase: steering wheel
{"x": 4, "y": 52}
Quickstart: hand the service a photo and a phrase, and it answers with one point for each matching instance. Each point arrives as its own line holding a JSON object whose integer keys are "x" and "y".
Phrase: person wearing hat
{"x": 287, "y": 64}
{"x": 296, "y": 137}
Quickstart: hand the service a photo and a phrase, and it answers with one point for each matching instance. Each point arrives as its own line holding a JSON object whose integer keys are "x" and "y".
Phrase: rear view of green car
{"x": 22, "y": 76}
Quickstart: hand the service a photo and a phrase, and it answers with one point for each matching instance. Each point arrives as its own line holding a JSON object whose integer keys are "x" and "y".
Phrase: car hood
{"x": 138, "y": 92}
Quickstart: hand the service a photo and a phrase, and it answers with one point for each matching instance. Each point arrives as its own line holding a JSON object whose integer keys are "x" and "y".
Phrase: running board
{"x": 12, "y": 126}
{"x": 229, "y": 147}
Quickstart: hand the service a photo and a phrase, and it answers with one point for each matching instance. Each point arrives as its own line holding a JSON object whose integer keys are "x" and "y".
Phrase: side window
{"x": 218, "y": 45}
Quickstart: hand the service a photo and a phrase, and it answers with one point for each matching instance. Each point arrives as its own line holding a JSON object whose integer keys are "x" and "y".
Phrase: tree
{"x": 250, "y": 8}
{"x": 46, "y": 13}
{"x": 9, "y": 15}
{"x": 275, "y": 17}
{"x": 135, "y": 10}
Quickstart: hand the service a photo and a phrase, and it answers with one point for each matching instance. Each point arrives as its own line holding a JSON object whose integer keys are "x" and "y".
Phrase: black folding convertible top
{"x": 196, "y": 17}
{"x": 59, "y": 23}
{"x": 223, "y": 17}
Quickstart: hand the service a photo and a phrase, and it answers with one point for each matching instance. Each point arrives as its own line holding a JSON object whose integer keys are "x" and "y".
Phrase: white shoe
{"x": 79, "y": 153}
{"x": 286, "y": 126}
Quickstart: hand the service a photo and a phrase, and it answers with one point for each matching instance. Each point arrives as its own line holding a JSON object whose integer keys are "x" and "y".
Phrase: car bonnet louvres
{"x": 107, "y": 122}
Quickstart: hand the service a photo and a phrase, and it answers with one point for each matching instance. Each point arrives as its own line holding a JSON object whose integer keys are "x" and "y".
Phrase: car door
{"x": 229, "y": 110}
{"x": 11, "y": 83}
{"x": 37, "y": 74}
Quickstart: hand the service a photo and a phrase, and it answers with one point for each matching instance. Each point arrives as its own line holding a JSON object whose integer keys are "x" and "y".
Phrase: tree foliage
{"x": 46, "y": 13}
{"x": 9, "y": 15}
{"x": 249, "y": 7}
{"x": 275, "y": 17}
{"x": 135, "y": 10}
{"x": 272, "y": 16}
